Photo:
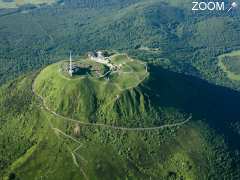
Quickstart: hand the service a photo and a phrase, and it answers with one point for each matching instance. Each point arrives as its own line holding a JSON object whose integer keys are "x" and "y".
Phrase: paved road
{"x": 105, "y": 125}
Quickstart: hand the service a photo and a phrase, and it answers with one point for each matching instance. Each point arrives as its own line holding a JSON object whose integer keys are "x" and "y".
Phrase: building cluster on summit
{"x": 98, "y": 57}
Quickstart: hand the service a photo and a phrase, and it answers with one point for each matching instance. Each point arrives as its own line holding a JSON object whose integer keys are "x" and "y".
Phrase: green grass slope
{"x": 22, "y": 124}
{"x": 89, "y": 99}
{"x": 48, "y": 147}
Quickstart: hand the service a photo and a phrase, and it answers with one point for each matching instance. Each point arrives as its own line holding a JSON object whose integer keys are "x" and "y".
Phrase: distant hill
{"x": 190, "y": 40}
{"x": 9, "y": 4}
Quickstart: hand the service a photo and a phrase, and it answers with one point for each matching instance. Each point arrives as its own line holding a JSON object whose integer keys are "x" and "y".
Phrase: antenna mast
{"x": 70, "y": 65}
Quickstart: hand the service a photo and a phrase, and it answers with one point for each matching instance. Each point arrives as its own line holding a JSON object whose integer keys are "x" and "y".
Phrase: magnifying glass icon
{"x": 233, "y": 5}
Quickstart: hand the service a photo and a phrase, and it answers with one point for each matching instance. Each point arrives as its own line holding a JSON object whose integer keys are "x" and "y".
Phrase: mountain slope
{"x": 195, "y": 150}
{"x": 164, "y": 33}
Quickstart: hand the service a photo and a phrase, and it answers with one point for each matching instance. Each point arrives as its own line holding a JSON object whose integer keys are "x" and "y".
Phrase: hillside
{"x": 88, "y": 97}
{"x": 60, "y": 148}
{"x": 165, "y": 107}
{"x": 6, "y": 4}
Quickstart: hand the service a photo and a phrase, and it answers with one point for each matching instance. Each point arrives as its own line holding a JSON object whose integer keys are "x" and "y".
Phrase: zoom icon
{"x": 213, "y": 6}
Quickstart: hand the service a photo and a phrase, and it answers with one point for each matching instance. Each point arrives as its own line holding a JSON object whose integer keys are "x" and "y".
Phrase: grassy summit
{"x": 89, "y": 94}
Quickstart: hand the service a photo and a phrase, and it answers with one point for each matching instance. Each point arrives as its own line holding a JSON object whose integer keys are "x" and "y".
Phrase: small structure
{"x": 77, "y": 130}
{"x": 100, "y": 58}
{"x": 92, "y": 55}
{"x": 100, "y": 55}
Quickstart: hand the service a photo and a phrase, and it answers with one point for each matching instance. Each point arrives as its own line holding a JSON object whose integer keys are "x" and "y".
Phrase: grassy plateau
{"x": 230, "y": 64}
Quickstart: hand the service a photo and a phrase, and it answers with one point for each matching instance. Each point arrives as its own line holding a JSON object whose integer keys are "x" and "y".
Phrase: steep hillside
{"x": 21, "y": 122}
{"x": 56, "y": 150}
{"x": 89, "y": 98}
{"x": 57, "y": 146}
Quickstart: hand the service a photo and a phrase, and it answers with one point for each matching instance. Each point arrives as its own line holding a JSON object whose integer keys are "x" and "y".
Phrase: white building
{"x": 99, "y": 57}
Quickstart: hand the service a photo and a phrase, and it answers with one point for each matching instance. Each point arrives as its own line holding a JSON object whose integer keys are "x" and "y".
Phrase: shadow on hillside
{"x": 218, "y": 105}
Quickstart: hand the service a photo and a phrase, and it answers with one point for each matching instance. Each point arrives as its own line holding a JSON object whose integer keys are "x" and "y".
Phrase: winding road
{"x": 74, "y": 152}
{"x": 105, "y": 125}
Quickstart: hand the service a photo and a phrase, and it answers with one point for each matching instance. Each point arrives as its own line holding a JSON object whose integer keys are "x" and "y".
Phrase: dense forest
{"x": 190, "y": 41}
{"x": 182, "y": 49}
